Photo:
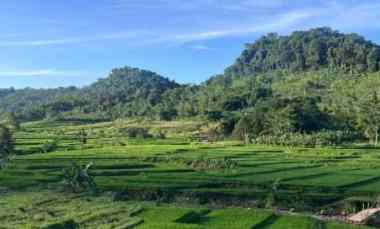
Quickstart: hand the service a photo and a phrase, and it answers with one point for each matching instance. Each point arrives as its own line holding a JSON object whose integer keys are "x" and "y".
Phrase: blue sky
{"x": 51, "y": 43}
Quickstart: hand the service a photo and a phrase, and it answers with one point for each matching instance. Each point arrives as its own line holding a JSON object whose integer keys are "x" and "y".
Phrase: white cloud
{"x": 201, "y": 47}
{"x": 75, "y": 40}
{"x": 273, "y": 18}
{"x": 149, "y": 37}
{"x": 194, "y": 4}
{"x": 282, "y": 22}
{"x": 362, "y": 15}
{"x": 40, "y": 73}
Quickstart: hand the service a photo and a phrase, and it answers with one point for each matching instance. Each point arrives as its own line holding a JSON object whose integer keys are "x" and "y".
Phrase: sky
{"x": 54, "y": 43}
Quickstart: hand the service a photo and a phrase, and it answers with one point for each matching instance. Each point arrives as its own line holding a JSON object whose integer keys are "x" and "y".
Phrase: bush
{"x": 160, "y": 135}
{"x": 136, "y": 132}
{"x": 49, "y": 146}
{"x": 218, "y": 164}
{"x": 77, "y": 179}
{"x": 324, "y": 138}
{"x": 118, "y": 142}
{"x": 6, "y": 145}
{"x": 214, "y": 116}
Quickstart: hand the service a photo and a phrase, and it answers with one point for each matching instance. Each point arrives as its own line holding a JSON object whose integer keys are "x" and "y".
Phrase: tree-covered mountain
{"x": 310, "y": 82}
{"x": 31, "y": 104}
{"x": 308, "y": 50}
{"x": 125, "y": 92}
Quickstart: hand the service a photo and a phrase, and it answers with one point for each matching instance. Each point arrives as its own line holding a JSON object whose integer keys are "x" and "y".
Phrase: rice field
{"x": 162, "y": 186}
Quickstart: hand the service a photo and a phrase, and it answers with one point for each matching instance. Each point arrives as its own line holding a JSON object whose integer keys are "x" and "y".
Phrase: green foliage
{"x": 49, "y": 146}
{"x": 272, "y": 198}
{"x": 245, "y": 126}
{"x": 77, "y": 179}
{"x": 202, "y": 163}
{"x": 311, "y": 81}
{"x": 160, "y": 135}
{"x": 369, "y": 115}
{"x": 10, "y": 120}
{"x": 307, "y": 50}
{"x": 6, "y": 145}
{"x": 82, "y": 137}
{"x": 322, "y": 138}
{"x": 214, "y": 115}
{"x": 136, "y": 132}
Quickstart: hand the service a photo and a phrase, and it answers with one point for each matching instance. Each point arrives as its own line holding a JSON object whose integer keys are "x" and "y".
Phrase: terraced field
{"x": 49, "y": 210}
{"x": 163, "y": 171}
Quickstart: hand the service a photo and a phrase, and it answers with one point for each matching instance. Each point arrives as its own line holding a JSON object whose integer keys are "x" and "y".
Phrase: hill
{"x": 308, "y": 50}
{"x": 126, "y": 91}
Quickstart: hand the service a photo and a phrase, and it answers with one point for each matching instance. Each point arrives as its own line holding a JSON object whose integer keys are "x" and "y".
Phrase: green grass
{"x": 309, "y": 178}
{"x": 46, "y": 209}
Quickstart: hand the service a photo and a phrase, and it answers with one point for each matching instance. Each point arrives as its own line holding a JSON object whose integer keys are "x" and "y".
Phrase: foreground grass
{"x": 48, "y": 209}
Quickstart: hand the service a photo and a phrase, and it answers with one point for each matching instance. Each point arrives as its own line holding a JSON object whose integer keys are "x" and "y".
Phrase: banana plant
{"x": 77, "y": 178}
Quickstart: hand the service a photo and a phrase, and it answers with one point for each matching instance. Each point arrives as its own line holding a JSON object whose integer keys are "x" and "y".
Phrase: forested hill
{"x": 125, "y": 92}
{"x": 128, "y": 92}
{"x": 308, "y": 50}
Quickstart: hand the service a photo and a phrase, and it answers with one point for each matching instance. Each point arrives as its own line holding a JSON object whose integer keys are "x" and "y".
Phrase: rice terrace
{"x": 254, "y": 114}
{"x": 177, "y": 183}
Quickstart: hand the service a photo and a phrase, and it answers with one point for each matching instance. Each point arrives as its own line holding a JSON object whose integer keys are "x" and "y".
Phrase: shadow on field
{"x": 275, "y": 171}
{"x": 266, "y": 164}
{"x": 100, "y": 167}
{"x": 194, "y": 217}
{"x": 138, "y": 172}
{"x": 266, "y": 223}
{"x": 360, "y": 183}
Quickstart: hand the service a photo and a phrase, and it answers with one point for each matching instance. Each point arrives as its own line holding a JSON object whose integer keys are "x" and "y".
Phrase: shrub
{"x": 219, "y": 164}
{"x": 324, "y": 138}
{"x": 214, "y": 116}
{"x": 136, "y": 132}
{"x": 118, "y": 142}
{"x": 77, "y": 179}
{"x": 6, "y": 145}
{"x": 160, "y": 135}
{"x": 49, "y": 146}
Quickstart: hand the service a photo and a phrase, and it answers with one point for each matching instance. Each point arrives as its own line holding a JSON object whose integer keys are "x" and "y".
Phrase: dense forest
{"x": 311, "y": 87}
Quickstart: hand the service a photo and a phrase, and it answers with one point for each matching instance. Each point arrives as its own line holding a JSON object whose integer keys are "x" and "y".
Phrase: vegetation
{"x": 49, "y": 146}
{"x": 311, "y": 81}
{"x": 78, "y": 179}
{"x": 6, "y": 145}
{"x": 311, "y": 50}
{"x": 177, "y": 173}
{"x": 287, "y": 127}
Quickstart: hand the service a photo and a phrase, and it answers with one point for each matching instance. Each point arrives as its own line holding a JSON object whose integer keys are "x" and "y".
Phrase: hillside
{"x": 308, "y": 50}
{"x": 126, "y": 91}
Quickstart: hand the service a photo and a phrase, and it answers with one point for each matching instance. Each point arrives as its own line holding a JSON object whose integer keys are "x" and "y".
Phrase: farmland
{"x": 175, "y": 182}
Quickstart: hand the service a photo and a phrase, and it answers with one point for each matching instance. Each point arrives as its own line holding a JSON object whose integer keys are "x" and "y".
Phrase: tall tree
{"x": 10, "y": 120}
{"x": 369, "y": 115}
{"x": 6, "y": 145}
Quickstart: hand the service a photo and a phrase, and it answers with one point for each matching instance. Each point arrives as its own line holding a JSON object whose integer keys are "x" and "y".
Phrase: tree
{"x": 77, "y": 178}
{"x": 369, "y": 115}
{"x": 82, "y": 137}
{"x": 280, "y": 122}
{"x": 11, "y": 121}
{"x": 243, "y": 128}
{"x": 6, "y": 145}
{"x": 307, "y": 115}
